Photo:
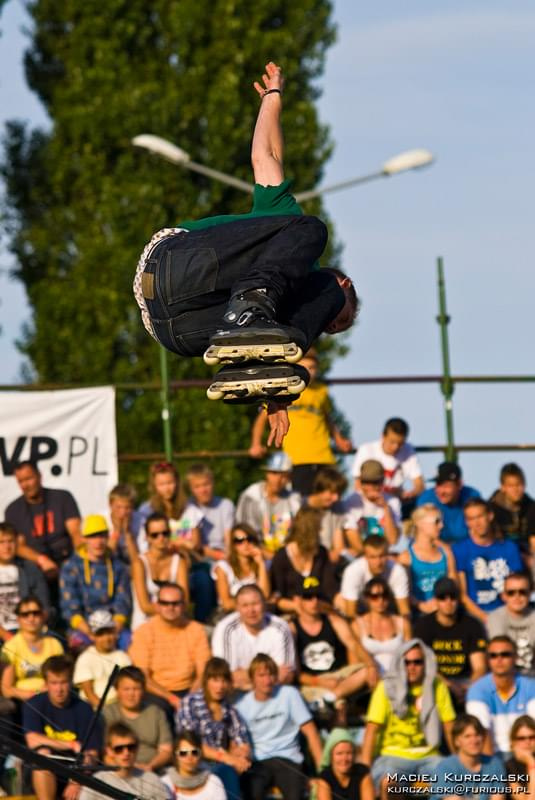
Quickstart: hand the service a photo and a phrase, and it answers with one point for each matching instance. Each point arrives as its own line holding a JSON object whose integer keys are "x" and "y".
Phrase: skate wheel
{"x": 297, "y": 388}
{"x": 211, "y": 360}
{"x": 292, "y": 357}
{"x": 214, "y": 394}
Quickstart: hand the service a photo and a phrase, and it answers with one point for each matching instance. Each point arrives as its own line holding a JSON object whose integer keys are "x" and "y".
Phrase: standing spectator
{"x": 517, "y": 620}
{"x": 240, "y": 636}
{"x": 27, "y": 651}
{"x": 501, "y": 696}
{"x": 94, "y": 666}
{"x": 171, "y": 649}
{"x": 186, "y": 779}
{"x": 245, "y": 565}
{"x": 308, "y": 442}
{"x": 122, "y": 746}
{"x": 457, "y": 639}
{"x": 302, "y": 556}
{"x": 56, "y": 721}
{"x": 217, "y": 512}
{"x": 124, "y": 522}
{"x": 269, "y": 506}
{"x": 18, "y": 578}
{"x": 208, "y": 713}
{"x": 408, "y": 712}
{"x": 449, "y": 496}
{"x": 91, "y": 579}
{"x": 160, "y": 564}
{"x": 483, "y": 561}
{"x": 340, "y": 776}
{"x": 398, "y": 458}
{"x": 275, "y": 716}
{"x": 381, "y": 633}
{"x": 47, "y": 520}
{"x": 369, "y": 511}
{"x": 328, "y": 487}
{"x": 427, "y": 558}
{"x": 375, "y": 562}
{"x": 146, "y": 719}
{"x": 513, "y": 508}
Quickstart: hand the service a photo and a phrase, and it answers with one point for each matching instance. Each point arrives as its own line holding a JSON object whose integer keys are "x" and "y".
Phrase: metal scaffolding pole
{"x": 447, "y": 385}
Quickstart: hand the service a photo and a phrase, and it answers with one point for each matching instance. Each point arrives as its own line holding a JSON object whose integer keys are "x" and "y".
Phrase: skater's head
{"x": 347, "y": 316}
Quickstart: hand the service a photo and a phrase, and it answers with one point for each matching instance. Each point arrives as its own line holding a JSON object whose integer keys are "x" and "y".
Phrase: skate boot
{"x": 253, "y": 333}
{"x": 257, "y": 380}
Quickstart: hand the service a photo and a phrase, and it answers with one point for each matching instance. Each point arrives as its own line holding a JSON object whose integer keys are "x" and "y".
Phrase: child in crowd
{"x": 95, "y": 665}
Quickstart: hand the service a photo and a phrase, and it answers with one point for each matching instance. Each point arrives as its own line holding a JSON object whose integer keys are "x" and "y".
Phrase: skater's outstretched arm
{"x": 268, "y": 144}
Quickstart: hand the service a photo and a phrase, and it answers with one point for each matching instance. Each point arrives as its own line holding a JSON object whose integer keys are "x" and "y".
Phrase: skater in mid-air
{"x": 246, "y": 290}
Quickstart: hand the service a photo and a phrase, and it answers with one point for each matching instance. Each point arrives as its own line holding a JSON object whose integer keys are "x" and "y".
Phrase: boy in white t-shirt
{"x": 95, "y": 665}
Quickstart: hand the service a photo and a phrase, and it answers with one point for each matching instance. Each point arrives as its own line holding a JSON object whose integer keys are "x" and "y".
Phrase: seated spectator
{"x": 332, "y": 662}
{"x": 302, "y": 555}
{"x": 47, "y": 520}
{"x": 171, "y": 649}
{"x": 381, "y": 633}
{"x": 398, "y": 458}
{"x": 208, "y": 713}
{"x": 408, "y": 711}
{"x": 501, "y": 696}
{"x": 187, "y": 774}
{"x": 521, "y": 765}
{"x": 91, "y": 579}
{"x": 275, "y": 716}
{"x": 340, "y": 776}
{"x": 245, "y": 565}
{"x": 469, "y": 769}
{"x": 308, "y": 442}
{"x": 121, "y": 752}
{"x": 94, "y": 666}
{"x": 217, "y": 512}
{"x": 124, "y": 522}
{"x": 457, "y": 639}
{"x": 27, "y": 651}
{"x": 18, "y": 578}
{"x": 269, "y": 506}
{"x": 147, "y": 720}
{"x": 328, "y": 487}
{"x": 513, "y": 508}
{"x": 374, "y": 563}
{"x": 240, "y": 636}
{"x": 516, "y": 619}
{"x": 483, "y": 561}
{"x": 160, "y": 564}
{"x": 427, "y": 558}
{"x": 449, "y": 496}
{"x": 369, "y": 511}
{"x": 56, "y": 721}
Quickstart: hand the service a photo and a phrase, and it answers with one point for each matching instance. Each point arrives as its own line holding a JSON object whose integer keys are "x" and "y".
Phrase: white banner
{"x": 70, "y": 434}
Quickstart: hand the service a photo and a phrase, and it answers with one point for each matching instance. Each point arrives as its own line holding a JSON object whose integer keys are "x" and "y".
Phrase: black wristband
{"x": 272, "y": 91}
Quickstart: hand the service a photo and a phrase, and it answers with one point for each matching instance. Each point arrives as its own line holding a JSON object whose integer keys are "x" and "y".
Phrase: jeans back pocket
{"x": 189, "y": 272}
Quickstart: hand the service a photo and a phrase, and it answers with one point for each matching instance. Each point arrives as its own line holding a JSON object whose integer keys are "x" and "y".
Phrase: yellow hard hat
{"x": 94, "y": 523}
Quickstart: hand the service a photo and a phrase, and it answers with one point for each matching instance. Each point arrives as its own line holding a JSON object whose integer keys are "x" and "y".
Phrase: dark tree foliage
{"x": 82, "y": 201}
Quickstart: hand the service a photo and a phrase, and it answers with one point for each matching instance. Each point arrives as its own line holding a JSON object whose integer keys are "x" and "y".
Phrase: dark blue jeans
{"x": 196, "y": 273}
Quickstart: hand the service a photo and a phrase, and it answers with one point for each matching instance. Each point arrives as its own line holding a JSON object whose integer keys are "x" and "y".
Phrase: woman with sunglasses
{"x": 521, "y": 765}
{"x": 27, "y": 651}
{"x": 160, "y": 564}
{"x": 427, "y": 558}
{"x": 381, "y": 633}
{"x": 224, "y": 737}
{"x": 187, "y": 779}
{"x": 245, "y": 565}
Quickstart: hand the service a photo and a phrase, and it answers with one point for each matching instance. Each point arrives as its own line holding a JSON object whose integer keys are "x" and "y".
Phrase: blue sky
{"x": 457, "y": 79}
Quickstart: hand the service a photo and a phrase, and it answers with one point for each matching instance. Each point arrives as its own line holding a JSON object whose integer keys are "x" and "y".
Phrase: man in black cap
{"x": 457, "y": 639}
{"x": 450, "y": 495}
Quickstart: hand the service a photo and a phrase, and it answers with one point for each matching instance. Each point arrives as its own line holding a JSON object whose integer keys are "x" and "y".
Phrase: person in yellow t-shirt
{"x": 308, "y": 442}
{"x": 27, "y": 651}
{"x": 409, "y": 712}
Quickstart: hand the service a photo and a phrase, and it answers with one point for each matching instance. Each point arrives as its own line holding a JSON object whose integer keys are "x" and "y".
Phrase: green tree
{"x": 82, "y": 202}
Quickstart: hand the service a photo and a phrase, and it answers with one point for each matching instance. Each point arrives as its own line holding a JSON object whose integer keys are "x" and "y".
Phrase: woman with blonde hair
{"x": 301, "y": 557}
{"x": 427, "y": 558}
{"x": 245, "y": 565}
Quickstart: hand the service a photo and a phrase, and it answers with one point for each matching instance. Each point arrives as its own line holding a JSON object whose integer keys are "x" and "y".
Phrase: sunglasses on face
{"x": 245, "y": 538}
{"x": 131, "y": 747}
{"x": 377, "y": 595}
{"x": 193, "y": 752}
{"x": 502, "y": 654}
{"x": 32, "y": 612}
{"x": 157, "y": 534}
{"x": 447, "y": 596}
{"x": 513, "y": 592}
{"x": 169, "y": 603}
{"x": 416, "y": 662}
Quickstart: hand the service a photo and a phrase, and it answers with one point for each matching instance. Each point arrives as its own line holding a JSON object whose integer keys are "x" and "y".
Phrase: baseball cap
{"x": 372, "y": 471}
{"x": 278, "y": 462}
{"x": 99, "y": 620}
{"x": 94, "y": 523}
{"x": 448, "y": 471}
{"x": 310, "y": 587}
{"x": 445, "y": 586}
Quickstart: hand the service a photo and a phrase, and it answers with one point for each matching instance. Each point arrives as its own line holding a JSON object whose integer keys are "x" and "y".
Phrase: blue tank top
{"x": 424, "y": 574}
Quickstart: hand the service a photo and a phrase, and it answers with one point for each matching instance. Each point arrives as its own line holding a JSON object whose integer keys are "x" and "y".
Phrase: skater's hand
{"x": 272, "y": 79}
{"x": 279, "y": 424}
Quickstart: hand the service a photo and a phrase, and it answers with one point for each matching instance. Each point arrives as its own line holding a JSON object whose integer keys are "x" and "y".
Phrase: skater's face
{"x": 346, "y": 317}
{"x": 165, "y": 485}
{"x": 202, "y": 489}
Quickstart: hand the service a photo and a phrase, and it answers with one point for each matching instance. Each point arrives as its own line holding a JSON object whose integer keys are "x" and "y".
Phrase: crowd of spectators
{"x": 299, "y": 641}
